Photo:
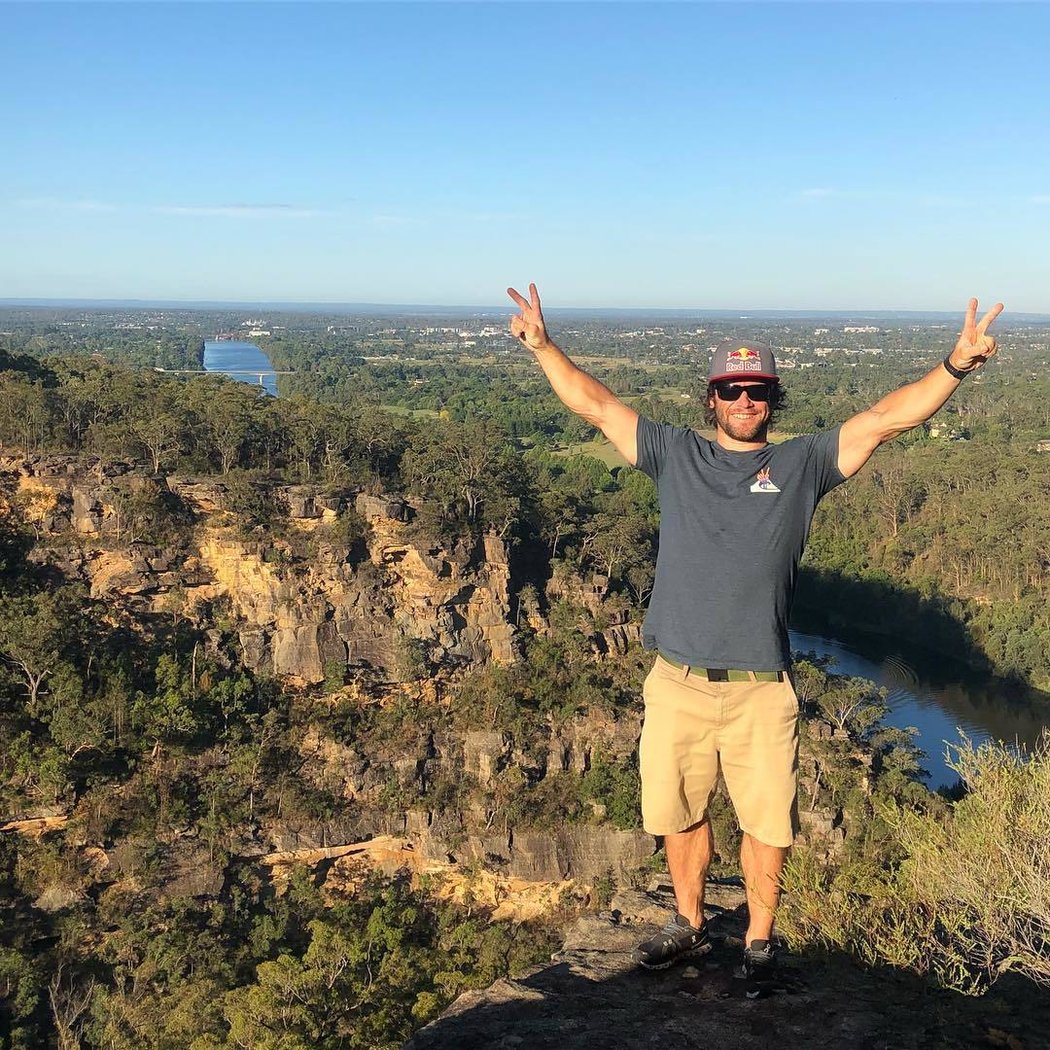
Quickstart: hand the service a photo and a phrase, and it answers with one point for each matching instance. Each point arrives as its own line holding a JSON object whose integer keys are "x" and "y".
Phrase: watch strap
{"x": 957, "y": 373}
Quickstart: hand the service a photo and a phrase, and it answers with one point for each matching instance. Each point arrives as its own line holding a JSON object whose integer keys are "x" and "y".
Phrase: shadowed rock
{"x": 592, "y": 997}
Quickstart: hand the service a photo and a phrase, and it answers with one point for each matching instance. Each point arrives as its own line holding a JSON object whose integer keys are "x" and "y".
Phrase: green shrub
{"x": 969, "y": 898}
{"x": 617, "y": 786}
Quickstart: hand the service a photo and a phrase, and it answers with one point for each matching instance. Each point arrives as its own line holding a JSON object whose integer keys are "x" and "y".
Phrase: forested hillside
{"x": 243, "y": 638}
{"x": 952, "y": 521}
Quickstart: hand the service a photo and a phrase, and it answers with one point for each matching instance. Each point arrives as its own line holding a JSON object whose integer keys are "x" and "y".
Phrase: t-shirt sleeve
{"x": 823, "y": 461}
{"x": 654, "y": 440}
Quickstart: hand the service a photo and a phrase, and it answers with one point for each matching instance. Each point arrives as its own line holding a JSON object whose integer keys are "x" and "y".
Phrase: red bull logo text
{"x": 745, "y": 359}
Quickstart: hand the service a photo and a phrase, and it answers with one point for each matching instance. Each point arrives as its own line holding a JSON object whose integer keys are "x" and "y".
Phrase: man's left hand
{"x": 975, "y": 346}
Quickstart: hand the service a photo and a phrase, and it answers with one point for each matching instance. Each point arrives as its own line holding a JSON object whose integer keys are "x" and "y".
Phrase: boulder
{"x": 302, "y": 503}
{"x": 307, "y": 651}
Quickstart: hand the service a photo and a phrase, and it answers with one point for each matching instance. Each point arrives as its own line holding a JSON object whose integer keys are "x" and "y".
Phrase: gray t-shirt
{"x": 733, "y": 526}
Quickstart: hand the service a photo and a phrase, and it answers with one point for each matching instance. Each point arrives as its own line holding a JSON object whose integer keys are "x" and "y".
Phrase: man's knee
{"x": 695, "y": 843}
{"x": 702, "y": 826}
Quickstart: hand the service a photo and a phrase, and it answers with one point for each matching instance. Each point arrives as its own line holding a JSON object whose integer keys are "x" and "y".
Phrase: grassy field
{"x": 417, "y": 413}
{"x": 613, "y": 362}
{"x": 599, "y": 448}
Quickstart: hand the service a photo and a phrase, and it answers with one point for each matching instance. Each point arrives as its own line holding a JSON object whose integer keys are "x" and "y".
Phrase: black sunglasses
{"x": 732, "y": 391}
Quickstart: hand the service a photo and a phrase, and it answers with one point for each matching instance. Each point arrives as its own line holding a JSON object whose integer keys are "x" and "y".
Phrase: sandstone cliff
{"x": 408, "y": 602}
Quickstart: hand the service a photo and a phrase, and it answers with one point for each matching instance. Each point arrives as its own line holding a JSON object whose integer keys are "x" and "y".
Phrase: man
{"x": 735, "y": 514}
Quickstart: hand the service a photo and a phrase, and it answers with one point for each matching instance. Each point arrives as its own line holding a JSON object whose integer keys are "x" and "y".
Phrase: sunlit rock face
{"x": 399, "y": 607}
{"x": 408, "y": 601}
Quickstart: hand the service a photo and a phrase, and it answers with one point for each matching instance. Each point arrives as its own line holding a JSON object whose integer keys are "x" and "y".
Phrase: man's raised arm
{"x": 579, "y": 392}
{"x": 915, "y": 403}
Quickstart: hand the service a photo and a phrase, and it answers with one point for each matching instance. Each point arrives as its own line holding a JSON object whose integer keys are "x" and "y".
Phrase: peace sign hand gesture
{"x": 975, "y": 346}
{"x": 528, "y": 326}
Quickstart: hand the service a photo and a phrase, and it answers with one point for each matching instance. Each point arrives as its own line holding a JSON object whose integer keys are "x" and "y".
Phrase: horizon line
{"x": 313, "y": 306}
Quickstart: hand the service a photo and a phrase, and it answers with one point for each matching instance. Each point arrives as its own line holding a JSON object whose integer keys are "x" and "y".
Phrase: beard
{"x": 752, "y": 427}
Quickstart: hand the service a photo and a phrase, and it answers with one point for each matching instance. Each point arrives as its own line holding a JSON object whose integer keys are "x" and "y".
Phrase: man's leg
{"x": 689, "y": 855}
{"x": 684, "y": 936}
{"x": 759, "y": 758}
{"x": 678, "y": 764}
{"x": 762, "y": 866}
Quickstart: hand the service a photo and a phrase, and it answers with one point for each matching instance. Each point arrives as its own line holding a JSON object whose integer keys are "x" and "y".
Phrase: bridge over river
{"x": 224, "y": 371}
{"x": 244, "y": 362}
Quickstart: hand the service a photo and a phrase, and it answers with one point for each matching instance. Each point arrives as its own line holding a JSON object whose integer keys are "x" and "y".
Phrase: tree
{"x": 26, "y": 410}
{"x": 159, "y": 431}
{"x": 228, "y": 418}
{"x": 852, "y": 705}
{"x": 174, "y": 709}
{"x": 471, "y": 471}
{"x": 20, "y": 986}
{"x": 35, "y": 634}
{"x": 305, "y": 437}
{"x": 378, "y": 437}
{"x": 140, "y": 508}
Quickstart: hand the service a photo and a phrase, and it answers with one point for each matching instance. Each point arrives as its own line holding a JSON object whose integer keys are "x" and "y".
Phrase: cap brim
{"x": 743, "y": 375}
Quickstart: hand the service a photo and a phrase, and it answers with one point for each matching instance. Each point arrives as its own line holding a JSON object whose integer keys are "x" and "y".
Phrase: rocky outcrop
{"x": 341, "y": 869}
{"x": 476, "y": 762}
{"x": 572, "y": 744}
{"x": 615, "y": 632}
{"x": 408, "y": 606}
{"x": 577, "y": 851}
{"x": 475, "y": 830}
{"x": 567, "y": 585}
{"x": 592, "y": 997}
{"x": 485, "y": 753}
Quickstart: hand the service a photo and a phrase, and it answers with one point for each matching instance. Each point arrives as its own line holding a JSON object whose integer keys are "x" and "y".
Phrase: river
{"x": 244, "y": 362}
{"x": 934, "y": 697}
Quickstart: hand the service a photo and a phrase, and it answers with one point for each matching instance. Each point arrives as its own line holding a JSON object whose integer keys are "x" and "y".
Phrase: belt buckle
{"x": 717, "y": 674}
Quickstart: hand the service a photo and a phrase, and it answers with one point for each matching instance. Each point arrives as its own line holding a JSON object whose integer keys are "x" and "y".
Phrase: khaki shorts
{"x": 694, "y": 728}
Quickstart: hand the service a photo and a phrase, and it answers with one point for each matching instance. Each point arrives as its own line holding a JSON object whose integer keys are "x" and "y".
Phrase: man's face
{"x": 742, "y": 419}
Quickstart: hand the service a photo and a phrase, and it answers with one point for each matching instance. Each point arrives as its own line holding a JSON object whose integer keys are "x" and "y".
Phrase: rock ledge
{"x": 591, "y": 996}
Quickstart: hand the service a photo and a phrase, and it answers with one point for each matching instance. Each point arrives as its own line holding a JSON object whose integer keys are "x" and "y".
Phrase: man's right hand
{"x": 528, "y": 326}
{"x": 579, "y": 392}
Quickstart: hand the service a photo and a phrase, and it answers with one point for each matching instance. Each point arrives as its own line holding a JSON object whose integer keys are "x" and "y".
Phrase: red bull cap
{"x": 742, "y": 359}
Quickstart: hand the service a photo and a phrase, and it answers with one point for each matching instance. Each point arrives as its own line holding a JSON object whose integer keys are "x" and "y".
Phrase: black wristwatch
{"x": 958, "y": 373}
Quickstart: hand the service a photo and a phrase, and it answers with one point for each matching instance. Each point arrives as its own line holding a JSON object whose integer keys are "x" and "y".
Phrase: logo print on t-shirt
{"x": 763, "y": 482}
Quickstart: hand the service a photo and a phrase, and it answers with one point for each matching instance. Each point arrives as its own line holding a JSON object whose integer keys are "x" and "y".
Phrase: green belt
{"x": 726, "y": 674}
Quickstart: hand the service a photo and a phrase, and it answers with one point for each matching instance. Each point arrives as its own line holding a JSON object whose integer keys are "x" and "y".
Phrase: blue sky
{"x": 728, "y": 155}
